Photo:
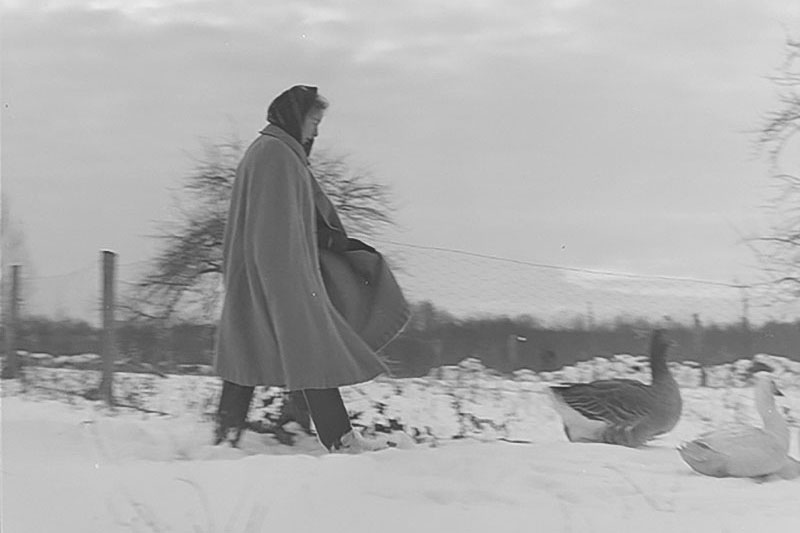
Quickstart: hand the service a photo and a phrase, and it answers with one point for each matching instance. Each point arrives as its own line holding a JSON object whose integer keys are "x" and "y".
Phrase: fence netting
{"x": 542, "y": 301}
{"x": 467, "y": 283}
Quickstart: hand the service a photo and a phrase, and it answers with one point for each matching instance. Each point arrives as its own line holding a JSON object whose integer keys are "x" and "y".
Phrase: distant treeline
{"x": 145, "y": 342}
{"x": 434, "y": 338}
{"x": 507, "y": 344}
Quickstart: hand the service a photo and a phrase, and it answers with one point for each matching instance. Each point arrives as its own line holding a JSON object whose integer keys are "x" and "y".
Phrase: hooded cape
{"x": 279, "y": 325}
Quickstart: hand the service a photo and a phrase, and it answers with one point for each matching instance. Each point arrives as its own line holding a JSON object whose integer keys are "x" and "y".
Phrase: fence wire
{"x": 469, "y": 284}
{"x": 73, "y": 295}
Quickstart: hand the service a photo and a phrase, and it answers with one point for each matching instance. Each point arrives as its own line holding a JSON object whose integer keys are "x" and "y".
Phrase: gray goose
{"x": 621, "y": 411}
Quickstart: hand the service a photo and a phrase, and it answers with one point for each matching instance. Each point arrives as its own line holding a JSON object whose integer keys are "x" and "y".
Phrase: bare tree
{"x": 779, "y": 250}
{"x": 364, "y": 205}
{"x": 184, "y": 278}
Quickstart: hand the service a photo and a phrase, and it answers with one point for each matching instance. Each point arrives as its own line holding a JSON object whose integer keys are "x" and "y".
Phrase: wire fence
{"x": 76, "y": 294}
{"x": 470, "y": 284}
{"x": 545, "y": 299}
{"x": 465, "y": 283}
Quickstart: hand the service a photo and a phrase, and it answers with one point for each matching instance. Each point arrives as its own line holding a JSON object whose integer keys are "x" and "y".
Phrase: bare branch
{"x": 184, "y": 277}
{"x": 779, "y": 250}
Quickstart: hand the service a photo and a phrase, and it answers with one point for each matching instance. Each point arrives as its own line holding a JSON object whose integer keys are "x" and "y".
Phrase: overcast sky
{"x": 611, "y": 135}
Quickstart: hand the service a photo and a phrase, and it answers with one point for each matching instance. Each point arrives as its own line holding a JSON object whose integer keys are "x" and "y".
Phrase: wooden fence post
{"x": 12, "y": 366}
{"x": 747, "y": 343}
{"x": 512, "y": 351}
{"x": 697, "y": 348}
{"x": 109, "y": 347}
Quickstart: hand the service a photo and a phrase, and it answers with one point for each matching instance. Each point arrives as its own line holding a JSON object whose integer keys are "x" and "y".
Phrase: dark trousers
{"x": 325, "y": 406}
{"x": 329, "y": 415}
{"x": 234, "y": 403}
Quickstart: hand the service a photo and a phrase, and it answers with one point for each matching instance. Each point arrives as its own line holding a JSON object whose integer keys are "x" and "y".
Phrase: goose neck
{"x": 771, "y": 416}
{"x": 659, "y": 369}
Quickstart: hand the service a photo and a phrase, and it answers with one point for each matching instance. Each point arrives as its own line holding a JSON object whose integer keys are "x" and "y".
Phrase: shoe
{"x": 295, "y": 409}
{"x": 225, "y": 432}
{"x": 353, "y": 442}
{"x": 231, "y": 417}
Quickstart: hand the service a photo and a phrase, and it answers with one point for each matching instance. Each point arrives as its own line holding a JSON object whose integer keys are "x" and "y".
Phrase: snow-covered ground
{"x": 74, "y": 466}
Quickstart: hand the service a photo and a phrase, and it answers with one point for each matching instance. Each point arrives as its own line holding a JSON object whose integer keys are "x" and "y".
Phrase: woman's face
{"x": 310, "y": 125}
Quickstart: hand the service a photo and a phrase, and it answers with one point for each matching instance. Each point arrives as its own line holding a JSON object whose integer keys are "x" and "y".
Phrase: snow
{"x": 76, "y": 466}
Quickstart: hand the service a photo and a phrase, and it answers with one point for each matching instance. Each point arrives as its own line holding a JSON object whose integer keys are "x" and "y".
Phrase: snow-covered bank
{"x": 464, "y": 400}
{"x": 71, "y": 465}
{"x": 78, "y": 468}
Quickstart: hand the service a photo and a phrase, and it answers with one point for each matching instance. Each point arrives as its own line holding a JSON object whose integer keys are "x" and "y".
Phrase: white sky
{"x": 613, "y": 135}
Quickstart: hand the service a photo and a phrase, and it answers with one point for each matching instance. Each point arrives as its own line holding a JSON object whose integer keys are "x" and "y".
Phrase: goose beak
{"x": 758, "y": 366}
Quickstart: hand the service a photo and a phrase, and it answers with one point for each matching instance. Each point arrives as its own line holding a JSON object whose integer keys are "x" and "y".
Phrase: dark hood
{"x": 289, "y": 109}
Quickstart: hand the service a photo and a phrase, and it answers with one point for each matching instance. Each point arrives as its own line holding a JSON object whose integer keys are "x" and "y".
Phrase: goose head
{"x": 765, "y": 390}
{"x": 658, "y": 356}
{"x": 760, "y": 372}
{"x": 659, "y": 344}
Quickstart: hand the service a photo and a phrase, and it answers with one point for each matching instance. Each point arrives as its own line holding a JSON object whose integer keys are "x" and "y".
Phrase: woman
{"x": 279, "y": 324}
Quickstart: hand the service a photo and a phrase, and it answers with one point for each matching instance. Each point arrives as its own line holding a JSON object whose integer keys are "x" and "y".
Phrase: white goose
{"x": 622, "y": 411}
{"x": 745, "y": 451}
